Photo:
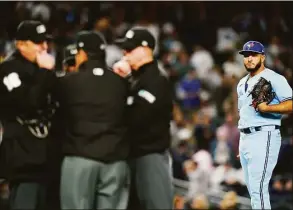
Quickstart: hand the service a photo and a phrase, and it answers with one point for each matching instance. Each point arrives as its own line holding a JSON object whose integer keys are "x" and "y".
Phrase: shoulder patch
{"x": 98, "y": 71}
{"x": 147, "y": 96}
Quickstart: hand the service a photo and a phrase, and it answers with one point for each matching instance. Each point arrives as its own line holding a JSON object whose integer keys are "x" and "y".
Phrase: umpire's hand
{"x": 122, "y": 68}
{"x": 45, "y": 60}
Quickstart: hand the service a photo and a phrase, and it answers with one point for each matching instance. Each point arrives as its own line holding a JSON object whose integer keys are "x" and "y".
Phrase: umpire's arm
{"x": 149, "y": 102}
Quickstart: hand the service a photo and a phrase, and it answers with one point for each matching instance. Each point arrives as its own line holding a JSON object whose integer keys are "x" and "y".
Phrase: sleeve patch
{"x": 147, "y": 96}
{"x": 12, "y": 81}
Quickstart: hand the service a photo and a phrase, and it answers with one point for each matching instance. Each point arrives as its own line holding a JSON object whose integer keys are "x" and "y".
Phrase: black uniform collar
{"x": 17, "y": 54}
{"x": 142, "y": 69}
{"x": 90, "y": 64}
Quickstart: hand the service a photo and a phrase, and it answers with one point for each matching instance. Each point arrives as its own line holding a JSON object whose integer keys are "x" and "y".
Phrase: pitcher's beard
{"x": 251, "y": 70}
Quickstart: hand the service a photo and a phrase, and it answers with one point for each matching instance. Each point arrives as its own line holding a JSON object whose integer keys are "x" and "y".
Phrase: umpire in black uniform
{"x": 25, "y": 112}
{"x": 149, "y": 115}
{"x": 94, "y": 172}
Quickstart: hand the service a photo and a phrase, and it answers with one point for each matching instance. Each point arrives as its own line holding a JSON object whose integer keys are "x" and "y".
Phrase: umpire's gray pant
{"x": 27, "y": 195}
{"x": 153, "y": 181}
{"x": 89, "y": 184}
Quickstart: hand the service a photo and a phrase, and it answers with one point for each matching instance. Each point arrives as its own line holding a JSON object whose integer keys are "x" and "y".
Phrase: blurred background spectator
{"x": 197, "y": 178}
{"x": 198, "y": 45}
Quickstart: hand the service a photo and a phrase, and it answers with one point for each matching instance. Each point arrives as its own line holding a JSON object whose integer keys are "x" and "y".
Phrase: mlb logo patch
{"x": 98, "y": 71}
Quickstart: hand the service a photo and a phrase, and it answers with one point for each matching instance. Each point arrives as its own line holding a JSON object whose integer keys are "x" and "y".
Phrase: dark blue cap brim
{"x": 247, "y": 51}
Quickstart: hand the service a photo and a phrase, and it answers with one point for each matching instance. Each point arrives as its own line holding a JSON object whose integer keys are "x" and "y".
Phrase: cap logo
{"x": 145, "y": 43}
{"x": 73, "y": 51}
{"x": 80, "y": 44}
{"x": 250, "y": 45}
{"x": 41, "y": 29}
{"x": 102, "y": 46}
{"x": 129, "y": 34}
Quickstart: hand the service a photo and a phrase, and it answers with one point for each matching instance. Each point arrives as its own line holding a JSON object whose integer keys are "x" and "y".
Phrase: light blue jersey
{"x": 248, "y": 116}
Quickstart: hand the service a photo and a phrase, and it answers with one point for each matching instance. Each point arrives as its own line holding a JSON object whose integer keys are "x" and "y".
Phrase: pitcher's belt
{"x": 259, "y": 128}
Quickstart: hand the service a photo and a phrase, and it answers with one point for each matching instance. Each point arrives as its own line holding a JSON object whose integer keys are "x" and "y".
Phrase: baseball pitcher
{"x": 263, "y": 96}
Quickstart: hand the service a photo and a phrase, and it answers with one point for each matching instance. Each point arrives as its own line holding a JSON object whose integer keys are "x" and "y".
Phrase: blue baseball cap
{"x": 253, "y": 46}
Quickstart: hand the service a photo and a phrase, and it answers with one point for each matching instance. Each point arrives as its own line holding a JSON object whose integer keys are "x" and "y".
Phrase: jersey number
{"x": 12, "y": 81}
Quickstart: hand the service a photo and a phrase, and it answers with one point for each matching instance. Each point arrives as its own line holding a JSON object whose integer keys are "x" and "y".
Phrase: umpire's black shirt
{"x": 24, "y": 89}
{"x": 149, "y": 111}
{"x": 93, "y": 101}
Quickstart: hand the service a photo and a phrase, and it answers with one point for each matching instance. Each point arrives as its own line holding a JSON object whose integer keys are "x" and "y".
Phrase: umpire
{"x": 25, "y": 89}
{"x": 94, "y": 172}
{"x": 149, "y": 115}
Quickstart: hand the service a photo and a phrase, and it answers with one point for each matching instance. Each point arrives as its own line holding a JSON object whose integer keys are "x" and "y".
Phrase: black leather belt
{"x": 253, "y": 129}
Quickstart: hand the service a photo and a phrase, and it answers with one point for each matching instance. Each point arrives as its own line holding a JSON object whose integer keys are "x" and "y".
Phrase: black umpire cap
{"x": 135, "y": 38}
{"x": 69, "y": 55}
{"x": 31, "y": 30}
{"x": 91, "y": 42}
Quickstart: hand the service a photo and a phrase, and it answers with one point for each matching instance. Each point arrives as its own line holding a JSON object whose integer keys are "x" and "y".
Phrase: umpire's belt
{"x": 259, "y": 128}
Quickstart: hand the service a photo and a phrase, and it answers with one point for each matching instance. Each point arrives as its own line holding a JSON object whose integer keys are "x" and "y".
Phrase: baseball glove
{"x": 262, "y": 92}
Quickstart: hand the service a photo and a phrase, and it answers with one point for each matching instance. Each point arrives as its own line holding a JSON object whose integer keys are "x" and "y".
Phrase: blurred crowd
{"x": 198, "y": 44}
